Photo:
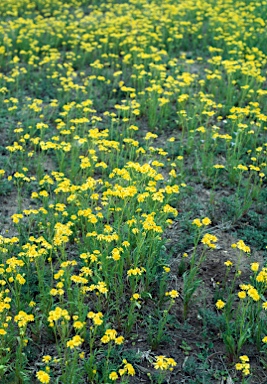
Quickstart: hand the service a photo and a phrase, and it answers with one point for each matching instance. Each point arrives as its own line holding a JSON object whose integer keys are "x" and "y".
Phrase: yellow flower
{"x": 197, "y": 222}
{"x": 220, "y": 304}
{"x": 122, "y": 372}
{"x": 171, "y": 362}
{"x": 119, "y": 340}
{"x": 246, "y": 370}
{"x": 206, "y": 221}
{"x": 173, "y": 294}
{"x": 244, "y": 358}
{"x": 46, "y": 358}
{"x": 105, "y": 339}
{"x": 254, "y": 267}
{"x": 160, "y": 363}
{"x": 242, "y": 295}
{"x": 228, "y": 263}
{"x": 78, "y": 325}
{"x": 113, "y": 376}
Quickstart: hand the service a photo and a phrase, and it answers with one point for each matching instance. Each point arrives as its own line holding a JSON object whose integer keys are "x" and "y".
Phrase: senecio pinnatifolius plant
{"x": 106, "y": 108}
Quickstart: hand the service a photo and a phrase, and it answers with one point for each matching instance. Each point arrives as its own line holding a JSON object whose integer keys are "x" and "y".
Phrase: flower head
{"x": 220, "y": 304}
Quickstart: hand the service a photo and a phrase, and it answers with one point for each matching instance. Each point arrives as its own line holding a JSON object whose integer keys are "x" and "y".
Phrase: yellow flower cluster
{"x": 111, "y": 335}
{"x": 242, "y": 246}
{"x": 209, "y": 240}
{"x": 56, "y": 315}
{"x": 22, "y": 319}
{"x": 163, "y": 363}
{"x": 199, "y": 223}
{"x": 244, "y": 366}
{"x": 76, "y": 341}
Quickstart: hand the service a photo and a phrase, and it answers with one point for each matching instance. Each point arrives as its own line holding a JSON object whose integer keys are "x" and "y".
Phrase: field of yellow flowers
{"x": 133, "y": 191}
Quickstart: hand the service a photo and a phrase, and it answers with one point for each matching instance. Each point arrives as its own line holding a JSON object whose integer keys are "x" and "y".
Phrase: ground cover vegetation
{"x": 133, "y": 191}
